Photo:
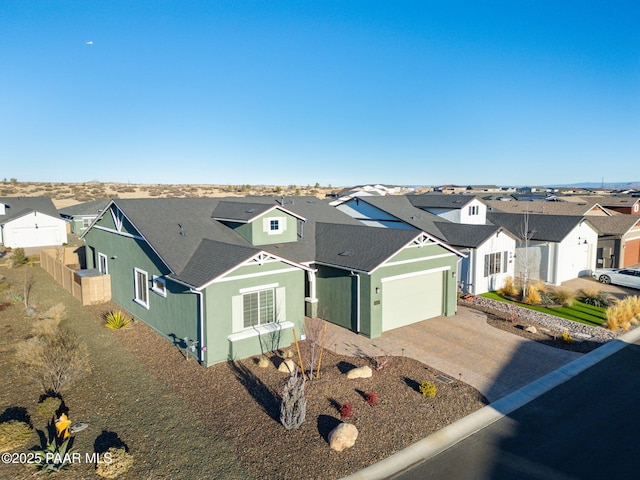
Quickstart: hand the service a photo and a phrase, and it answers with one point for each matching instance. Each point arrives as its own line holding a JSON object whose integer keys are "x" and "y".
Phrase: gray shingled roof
{"x": 457, "y": 235}
{"x": 19, "y": 206}
{"x": 541, "y": 207}
{"x": 211, "y": 259}
{"x": 440, "y": 200}
{"x": 87, "y": 208}
{"x": 183, "y": 232}
{"x": 549, "y": 228}
{"x": 614, "y": 225}
{"x": 242, "y": 212}
{"x": 465, "y": 235}
{"x": 357, "y": 246}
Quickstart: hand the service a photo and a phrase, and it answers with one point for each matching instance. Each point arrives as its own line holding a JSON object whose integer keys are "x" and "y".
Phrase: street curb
{"x": 450, "y": 435}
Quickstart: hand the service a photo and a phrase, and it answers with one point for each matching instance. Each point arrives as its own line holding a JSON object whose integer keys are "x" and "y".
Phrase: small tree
{"x": 293, "y": 407}
{"x": 54, "y": 357}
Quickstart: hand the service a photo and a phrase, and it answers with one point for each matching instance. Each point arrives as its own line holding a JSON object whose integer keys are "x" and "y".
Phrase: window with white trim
{"x": 258, "y": 308}
{"x": 158, "y": 285}
{"x": 492, "y": 263}
{"x": 86, "y": 221}
{"x": 474, "y": 210}
{"x": 274, "y": 225}
{"x": 140, "y": 287}
{"x": 103, "y": 266}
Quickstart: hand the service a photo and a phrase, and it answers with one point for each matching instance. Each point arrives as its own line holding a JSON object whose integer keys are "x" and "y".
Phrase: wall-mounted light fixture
{"x": 113, "y": 257}
{"x": 377, "y": 290}
{"x": 582, "y": 241}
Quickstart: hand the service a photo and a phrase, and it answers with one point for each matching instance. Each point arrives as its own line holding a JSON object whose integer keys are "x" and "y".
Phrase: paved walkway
{"x": 464, "y": 347}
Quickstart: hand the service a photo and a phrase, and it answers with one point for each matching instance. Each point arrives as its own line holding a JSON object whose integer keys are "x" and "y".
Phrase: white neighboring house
{"x": 30, "y": 222}
{"x": 559, "y": 247}
{"x": 489, "y": 249}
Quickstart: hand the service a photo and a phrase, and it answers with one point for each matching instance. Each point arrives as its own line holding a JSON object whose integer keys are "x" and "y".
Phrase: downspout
{"x": 357, "y": 275}
{"x": 203, "y": 346}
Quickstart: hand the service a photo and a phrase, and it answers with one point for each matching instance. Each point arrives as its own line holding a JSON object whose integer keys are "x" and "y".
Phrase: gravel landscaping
{"x": 548, "y": 328}
{"x": 181, "y": 421}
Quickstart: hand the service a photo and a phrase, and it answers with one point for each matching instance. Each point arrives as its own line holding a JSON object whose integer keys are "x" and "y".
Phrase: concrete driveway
{"x": 463, "y": 347}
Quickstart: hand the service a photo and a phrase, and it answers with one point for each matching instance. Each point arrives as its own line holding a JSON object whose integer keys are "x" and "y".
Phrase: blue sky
{"x": 337, "y": 92}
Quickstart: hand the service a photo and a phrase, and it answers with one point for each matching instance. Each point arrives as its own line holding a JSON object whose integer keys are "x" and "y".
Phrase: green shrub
{"x": 14, "y": 434}
{"x": 116, "y": 462}
{"x": 49, "y": 406}
{"x": 117, "y": 320}
{"x": 428, "y": 389}
{"x": 594, "y": 297}
{"x": 19, "y": 257}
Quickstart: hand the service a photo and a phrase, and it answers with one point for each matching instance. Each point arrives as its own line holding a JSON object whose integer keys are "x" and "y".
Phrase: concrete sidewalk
{"x": 464, "y": 347}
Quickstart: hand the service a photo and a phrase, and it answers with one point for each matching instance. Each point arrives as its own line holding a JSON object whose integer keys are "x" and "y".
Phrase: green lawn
{"x": 579, "y": 312}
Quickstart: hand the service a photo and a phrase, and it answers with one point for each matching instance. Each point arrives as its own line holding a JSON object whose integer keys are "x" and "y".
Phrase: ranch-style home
{"x": 236, "y": 276}
{"x": 551, "y": 248}
{"x": 29, "y": 222}
{"x": 81, "y": 215}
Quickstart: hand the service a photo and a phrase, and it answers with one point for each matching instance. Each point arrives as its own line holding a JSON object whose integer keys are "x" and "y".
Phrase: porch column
{"x": 311, "y": 302}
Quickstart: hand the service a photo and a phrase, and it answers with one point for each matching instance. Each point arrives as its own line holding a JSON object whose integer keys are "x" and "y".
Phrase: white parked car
{"x": 627, "y": 277}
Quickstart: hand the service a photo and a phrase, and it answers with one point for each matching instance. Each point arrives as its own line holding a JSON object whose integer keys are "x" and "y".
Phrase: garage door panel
{"x": 631, "y": 253}
{"x": 411, "y": 299}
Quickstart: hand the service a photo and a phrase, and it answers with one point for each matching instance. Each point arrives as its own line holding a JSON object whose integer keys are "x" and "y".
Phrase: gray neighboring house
{"x": 81, "y": 216}
{"x": 457, "y": 220}
{"x": 238, "y": 275}
{"x": 30, "y": 222}
{"x": 551, "y": 248}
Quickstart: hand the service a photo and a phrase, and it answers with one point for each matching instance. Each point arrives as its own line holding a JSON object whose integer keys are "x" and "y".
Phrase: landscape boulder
{"x": 531, "y": 329}
{"x": 287, "y": 366}
{"x": 343, "y": 437}
{"x": 361, "y": 372}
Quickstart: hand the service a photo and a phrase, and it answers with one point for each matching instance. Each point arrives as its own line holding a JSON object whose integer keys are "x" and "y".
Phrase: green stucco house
{"x": 233, "y": 277}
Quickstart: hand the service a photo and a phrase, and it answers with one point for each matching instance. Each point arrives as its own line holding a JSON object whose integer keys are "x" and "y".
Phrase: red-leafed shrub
{"x": 346, "y": 411}
{"x": 371, "y": 398}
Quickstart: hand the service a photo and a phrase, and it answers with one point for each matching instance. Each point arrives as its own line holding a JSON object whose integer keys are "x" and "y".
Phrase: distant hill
{"x": 616, "y": 185}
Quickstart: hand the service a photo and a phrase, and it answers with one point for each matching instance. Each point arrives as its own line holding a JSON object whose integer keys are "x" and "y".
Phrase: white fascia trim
{"x": 631, "y": 238}
{"x": 414, "y": 274}
{"x": 342, "y": 267}
{"x": 260, "y": 330}
{"x": 140, "y": 237}
{"x": 247, "y": 262}
{"x": 414, "y": 260}
{"x": 122, "y": 234}
{"x": 252, "y": 275}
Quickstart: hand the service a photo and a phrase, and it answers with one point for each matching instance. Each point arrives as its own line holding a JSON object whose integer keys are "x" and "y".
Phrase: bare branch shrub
{"x": 293, "y": 407}
{"x": 54, "y": 356}
{"x": 314, "y": 330}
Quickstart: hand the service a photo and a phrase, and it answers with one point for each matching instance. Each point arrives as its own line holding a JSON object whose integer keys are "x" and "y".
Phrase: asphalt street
{"x": 586, "y": 428}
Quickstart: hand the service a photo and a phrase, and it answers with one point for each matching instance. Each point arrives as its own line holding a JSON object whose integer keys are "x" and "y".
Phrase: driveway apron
{"x": 463, "y": 347}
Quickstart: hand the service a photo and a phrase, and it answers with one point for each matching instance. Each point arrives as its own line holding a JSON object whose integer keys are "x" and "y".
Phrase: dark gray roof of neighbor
{"x": 357, "y": 246}
{"x": 211, "y": 259}
{"x": 541, "y": 207}
{"x": 87, "y": 208}
{"x": 454, "y": 234}
{"x": 19, "y": 206}
{"x": 440, "y": 200}
{"x": 183, "y": 231}
{"x": 549, "y": 228}
{"x": 401, "y": 208}
{"x": 614, "y": 225}
{"x": 465, "y": 235}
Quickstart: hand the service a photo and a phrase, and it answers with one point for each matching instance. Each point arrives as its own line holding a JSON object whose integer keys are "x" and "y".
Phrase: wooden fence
{"x": 89, "y": 290}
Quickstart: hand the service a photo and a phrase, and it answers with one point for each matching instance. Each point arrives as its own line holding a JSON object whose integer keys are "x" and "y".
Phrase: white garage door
{"x": 35, "y": 237}
{"x": 406, "y": 300}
